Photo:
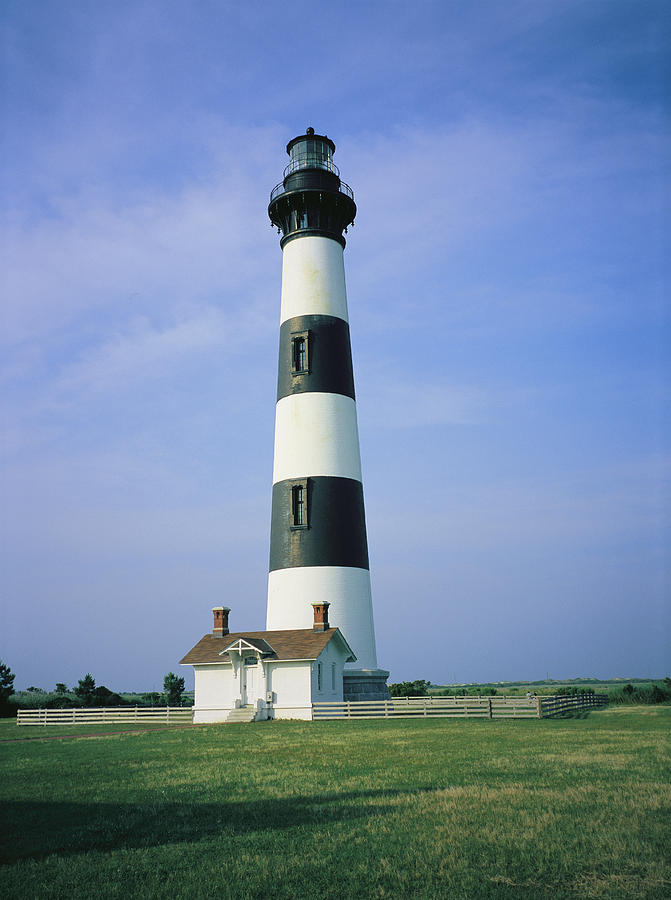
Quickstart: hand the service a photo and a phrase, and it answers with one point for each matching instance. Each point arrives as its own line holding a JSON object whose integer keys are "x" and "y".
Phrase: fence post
{"x": 539, "y": 704}
{"x": 491, "y": 714}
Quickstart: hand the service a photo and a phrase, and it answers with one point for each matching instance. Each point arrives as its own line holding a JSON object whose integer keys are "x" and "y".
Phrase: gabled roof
{"x": 247, "y": 643}
{"x": 298, "y": 643}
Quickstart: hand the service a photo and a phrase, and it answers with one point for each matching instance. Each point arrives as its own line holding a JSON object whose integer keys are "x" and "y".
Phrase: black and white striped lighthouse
{"x": 318, "y": 545}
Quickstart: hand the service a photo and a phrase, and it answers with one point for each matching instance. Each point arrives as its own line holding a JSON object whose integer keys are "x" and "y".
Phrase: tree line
{"x": 85, "y": 693}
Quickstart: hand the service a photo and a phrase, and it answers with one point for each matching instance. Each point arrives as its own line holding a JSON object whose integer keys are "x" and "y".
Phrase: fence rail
{"x": 456, "y": 707}
{"x": 171, "y": 715}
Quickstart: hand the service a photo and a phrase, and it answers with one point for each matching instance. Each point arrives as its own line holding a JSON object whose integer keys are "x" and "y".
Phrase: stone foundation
{"x": 365, "y": 684}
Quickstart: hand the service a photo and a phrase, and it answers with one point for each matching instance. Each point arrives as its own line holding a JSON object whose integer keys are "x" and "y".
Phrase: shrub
{"x": 174, "y": 688}
{"x": 29, "y": 700}
{"x": 102, "y": 696}
{"x": 417, "y": 688}
{"x": 152, "y": 698}
{"x": 86, "y": 689}
{"x": 58, "y": 700}
{"x": 657, "y": 693}
{"x": 6, "y": 688}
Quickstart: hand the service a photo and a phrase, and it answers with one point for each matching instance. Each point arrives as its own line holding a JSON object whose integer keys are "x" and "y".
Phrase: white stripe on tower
{"x": 313, "y": 279}
{"x": 316, "y": 434}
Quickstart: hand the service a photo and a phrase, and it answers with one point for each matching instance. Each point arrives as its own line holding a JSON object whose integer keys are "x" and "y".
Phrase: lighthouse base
{"x": 365, "y": 684}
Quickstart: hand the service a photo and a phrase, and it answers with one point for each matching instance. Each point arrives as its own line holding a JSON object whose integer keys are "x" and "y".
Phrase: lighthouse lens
{"x": 311, "y": 154}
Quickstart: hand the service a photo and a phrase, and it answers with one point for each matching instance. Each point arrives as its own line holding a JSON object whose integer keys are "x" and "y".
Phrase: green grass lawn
{"x": 10, "y": 731}
{"x": 404, "y": 808}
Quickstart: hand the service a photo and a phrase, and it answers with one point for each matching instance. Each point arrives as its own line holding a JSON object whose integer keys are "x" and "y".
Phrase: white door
{"x": 249, "y": 677}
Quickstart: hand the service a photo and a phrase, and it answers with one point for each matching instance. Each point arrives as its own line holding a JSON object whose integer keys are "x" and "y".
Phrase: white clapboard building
{"x": 249, "y": 675}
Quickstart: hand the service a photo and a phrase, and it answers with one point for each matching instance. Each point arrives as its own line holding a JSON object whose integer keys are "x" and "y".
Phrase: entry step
{"x": 243, "y": 714}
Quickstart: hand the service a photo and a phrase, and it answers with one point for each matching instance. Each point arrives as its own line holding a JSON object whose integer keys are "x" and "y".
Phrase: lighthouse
{"x": 318, "y": 543}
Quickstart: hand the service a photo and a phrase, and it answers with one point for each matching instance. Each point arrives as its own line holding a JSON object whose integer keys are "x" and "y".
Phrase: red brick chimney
{"x": 220, "y": 620}
{"x": 321, "y": 614}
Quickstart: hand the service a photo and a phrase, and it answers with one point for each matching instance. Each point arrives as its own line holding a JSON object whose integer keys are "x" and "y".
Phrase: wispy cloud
{"x": 157, "y": 256}
{"x": 150, "y": 352}
{"x": 616, "y": 504}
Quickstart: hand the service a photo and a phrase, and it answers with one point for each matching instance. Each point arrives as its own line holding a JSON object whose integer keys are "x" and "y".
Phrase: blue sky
{"x": 508, "y": 281}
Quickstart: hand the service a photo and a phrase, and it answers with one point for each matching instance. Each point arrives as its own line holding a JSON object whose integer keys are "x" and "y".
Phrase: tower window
{"x": 299, "y": 504}
{"x": 300, "y": 353}
{"x": 300, "y": 358}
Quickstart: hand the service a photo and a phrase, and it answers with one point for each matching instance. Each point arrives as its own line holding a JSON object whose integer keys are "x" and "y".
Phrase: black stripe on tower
{"x": 329, "y": 529}
{"x": 315, "y": 355}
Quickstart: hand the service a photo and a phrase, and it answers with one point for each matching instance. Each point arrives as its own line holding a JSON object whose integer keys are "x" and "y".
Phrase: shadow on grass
{"x": 41, "y": 828}
{"x": 571, "y": 714}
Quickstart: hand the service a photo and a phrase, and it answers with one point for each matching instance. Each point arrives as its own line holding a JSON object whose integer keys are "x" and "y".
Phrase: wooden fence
{"x": 397, "y": 707}
{"x": 470, "y": 707}
{"x": 429, "y": 707}
{"x": 558, "y": 705}
{"x": 168, "y": 715}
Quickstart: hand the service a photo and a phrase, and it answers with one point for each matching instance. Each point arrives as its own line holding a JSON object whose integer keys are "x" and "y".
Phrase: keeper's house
{"x": 267, "y": 674}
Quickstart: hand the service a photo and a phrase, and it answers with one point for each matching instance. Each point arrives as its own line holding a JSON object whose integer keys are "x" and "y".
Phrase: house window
{"x": 319, "y": 676}
{"x": 250, "y": 660}
{"x": 333, "y": 676}
{"x": 299, "y": 504}
{"x": 300, "y": 347}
